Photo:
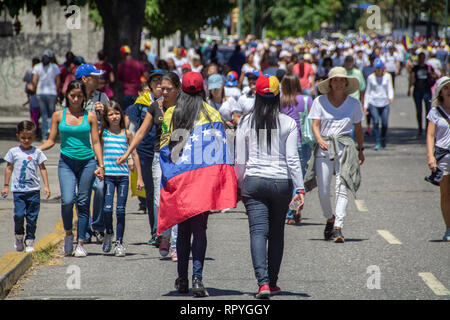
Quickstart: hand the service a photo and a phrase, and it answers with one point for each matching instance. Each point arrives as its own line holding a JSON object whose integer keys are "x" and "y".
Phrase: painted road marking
{"x": 389, "y": 237}
{"x": 434, "y": 284}
{"x": 361, "y": 205}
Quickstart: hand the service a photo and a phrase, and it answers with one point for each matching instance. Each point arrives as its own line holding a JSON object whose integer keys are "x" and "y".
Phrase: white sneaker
{"x": 80, "y": 252}
{"x": 119, "y": 250}
{"x": 19, "y": 242}
{"x": 29, "y": 245}
{"x": 68, "y": 245}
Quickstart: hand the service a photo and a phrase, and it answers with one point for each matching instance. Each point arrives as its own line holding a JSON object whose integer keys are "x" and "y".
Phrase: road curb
{"x": 14, "y": 264}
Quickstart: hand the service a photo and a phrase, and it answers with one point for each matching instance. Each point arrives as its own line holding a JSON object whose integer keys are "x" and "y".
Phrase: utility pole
{"x": 239, "y": 26}
{"x": 253, "y": 17}
{"x": 446, "y": 20}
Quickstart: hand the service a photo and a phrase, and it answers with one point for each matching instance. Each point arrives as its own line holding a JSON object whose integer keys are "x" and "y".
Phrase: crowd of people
{"x": 316, "y": 95}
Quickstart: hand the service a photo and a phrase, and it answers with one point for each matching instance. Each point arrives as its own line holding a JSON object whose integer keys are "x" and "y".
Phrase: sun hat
{"x": 439, "y": 85}
{"x": 88, "y": 70}
{"x": 232, "y": 77}
{"x": 215, "y": 81}
{"x": 192, "y": 82}
{"x": 267, "y": 86}
{"x": 285, "y": 53}
{"x": 307, "y": 57}
{"x": 338, "y": 72}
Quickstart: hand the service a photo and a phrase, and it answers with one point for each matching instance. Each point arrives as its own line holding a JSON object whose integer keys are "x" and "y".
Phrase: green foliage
{"x": 296, "y": 17}
{"x": 165, "y": 17}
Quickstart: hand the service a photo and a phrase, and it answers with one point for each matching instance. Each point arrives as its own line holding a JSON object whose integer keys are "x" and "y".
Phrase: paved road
{"x": 393, "y": 230}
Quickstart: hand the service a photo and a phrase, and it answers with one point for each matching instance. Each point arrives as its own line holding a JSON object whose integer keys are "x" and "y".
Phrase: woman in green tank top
{"x": 77, "y": 167}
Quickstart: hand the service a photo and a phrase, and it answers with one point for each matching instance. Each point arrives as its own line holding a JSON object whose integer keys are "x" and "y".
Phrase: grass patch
{"x": 43, "y": 256}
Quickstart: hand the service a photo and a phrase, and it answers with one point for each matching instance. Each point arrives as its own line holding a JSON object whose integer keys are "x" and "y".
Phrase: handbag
{"x": 436, "y": 177}
{"x": 306, "y": 126}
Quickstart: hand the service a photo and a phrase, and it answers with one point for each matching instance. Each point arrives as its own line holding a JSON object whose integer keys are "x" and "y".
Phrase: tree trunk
{"x": 123, "y": 22}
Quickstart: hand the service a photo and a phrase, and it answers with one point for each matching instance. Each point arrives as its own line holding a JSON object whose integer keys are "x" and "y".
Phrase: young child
{"x": 116, "y": 140}
{"x": 22, "y": 163}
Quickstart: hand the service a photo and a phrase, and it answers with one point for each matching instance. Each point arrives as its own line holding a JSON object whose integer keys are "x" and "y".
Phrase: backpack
{"x": 306, "y": 126}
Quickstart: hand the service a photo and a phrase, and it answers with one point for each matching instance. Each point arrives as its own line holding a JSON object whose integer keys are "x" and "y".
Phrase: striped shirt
{"x": 114, "y": 146}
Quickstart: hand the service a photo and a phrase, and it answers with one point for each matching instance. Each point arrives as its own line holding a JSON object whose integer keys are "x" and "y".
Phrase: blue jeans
{"x": 376, "y": 113}
{"x": 147, "y": 176}
{"x": 98, "y": 224}
{"x": 112, "y": 183}
{"x": 266, "y": 201}
{"x": 195, "y": 226}
{"x": 418, "y": 97}
{"x": 26, "y": 206}
{"x": 304, "y": 153}
{"x": 75, "y": 179}
{"x": 47, "y": 104}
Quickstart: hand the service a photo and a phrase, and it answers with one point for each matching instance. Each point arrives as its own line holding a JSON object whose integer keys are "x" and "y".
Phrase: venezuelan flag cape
{"x": 202, "y": 179}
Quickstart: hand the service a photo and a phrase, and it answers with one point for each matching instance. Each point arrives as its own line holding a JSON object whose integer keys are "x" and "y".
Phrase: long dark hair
{"x": 264, "y": 116}
{"x": 291, "y": 88}
{"x": 187, "y": 112}
{"x": 76, "y": 84}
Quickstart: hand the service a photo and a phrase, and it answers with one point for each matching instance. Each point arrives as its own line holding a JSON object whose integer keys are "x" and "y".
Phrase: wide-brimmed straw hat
{"x": 439, "y": 85}
{"x": 338, "y": 72}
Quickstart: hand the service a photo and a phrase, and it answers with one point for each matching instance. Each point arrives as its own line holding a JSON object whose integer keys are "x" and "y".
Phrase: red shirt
{"x": 130, "y": 72}
{"x": 308, "y": 71}
{"x": 106, "y": 67}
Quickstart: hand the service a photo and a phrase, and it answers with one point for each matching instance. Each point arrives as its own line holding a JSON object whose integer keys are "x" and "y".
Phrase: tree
{"x": 165, "y": 17}
{"x": 296, "y": 17}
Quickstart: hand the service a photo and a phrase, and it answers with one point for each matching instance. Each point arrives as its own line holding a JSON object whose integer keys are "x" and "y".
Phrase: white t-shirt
{"x": 225, "y": 109}
{"x": 390, "y": 61}
{"x": 26, "y": 164}
{"x": 245, "y": 104}
{"x": 436, "y": 64}
{"x": 233, "y": 92}
{"x": 180, "y": 62}
{"x": 47, "y": 78}
{"x": 442, "y": 134}
{"x": 336, "y": 121}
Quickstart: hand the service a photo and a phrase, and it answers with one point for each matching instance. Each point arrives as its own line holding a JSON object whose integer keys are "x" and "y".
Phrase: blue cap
{"x": 255, "y": 73}
{"x": 378, "y": 63}
{"x": 215, "y": 81}
{"x": 155, "y": 72}
{"x": 88, "y": 70}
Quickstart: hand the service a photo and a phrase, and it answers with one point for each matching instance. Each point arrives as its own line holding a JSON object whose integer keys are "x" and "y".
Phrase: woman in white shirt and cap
{"x": 268, "y": 171}
{"x": 378, "y": 96}
{"x": 334, "y": 114}
{"x": 438, "y": 145}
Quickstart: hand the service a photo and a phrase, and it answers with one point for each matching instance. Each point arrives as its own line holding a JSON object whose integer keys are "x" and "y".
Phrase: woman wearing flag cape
{"x": 197, "y": 177}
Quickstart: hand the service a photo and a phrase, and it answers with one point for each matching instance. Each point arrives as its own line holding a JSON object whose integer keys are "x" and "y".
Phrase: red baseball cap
{"x": 267, "y": 86}
{"x": 192, "y": 82}
{"x": 186, "y": 66}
